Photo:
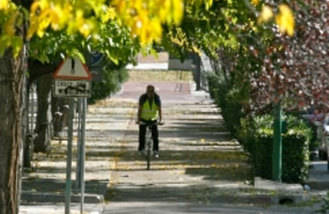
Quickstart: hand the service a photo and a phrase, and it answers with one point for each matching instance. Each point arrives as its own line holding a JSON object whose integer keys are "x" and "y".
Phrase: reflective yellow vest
{"x": 148, "y": 112}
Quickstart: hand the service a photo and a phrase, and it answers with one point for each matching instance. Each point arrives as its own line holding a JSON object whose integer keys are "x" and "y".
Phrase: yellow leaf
{"x": 285, "y": 20}
{"x": 209, "y": 4}
{"x": 32, "y": 29}
{"x": 255, "y": 2}
{"x": 79, "y": 19}
{"x": 145, "y": 18}
{"x": 34, "y": 7}
{"x": 60, "y": 16}
{"x": 266, "y": 14}
{"x": 178, "y": 8}
{"x": 4, "y": 5}
{"x": 9, "y": 26}
{"x": 86, "y": 28}
{"x": 108, "y": 15}
{"x": 196, "y": 50}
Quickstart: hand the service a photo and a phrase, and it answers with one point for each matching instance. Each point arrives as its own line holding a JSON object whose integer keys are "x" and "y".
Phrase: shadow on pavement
{"x": 190, "y": 193}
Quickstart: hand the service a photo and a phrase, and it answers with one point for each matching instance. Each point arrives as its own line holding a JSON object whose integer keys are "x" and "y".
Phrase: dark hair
{"x": 150, "y": 87}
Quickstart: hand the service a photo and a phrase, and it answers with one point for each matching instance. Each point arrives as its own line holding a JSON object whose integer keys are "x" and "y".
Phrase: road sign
{"x": 71, "y": 88}
{"x": 72, "y": 69}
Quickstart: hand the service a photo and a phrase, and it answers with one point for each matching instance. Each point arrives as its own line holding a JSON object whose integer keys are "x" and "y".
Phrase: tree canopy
{"x": 270, "y": 51}
{"x": 144, "y": 19}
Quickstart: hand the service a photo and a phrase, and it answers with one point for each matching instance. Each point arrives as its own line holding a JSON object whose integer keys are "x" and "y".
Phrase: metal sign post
{"x": 78, "y": 168}
{"x": 82, "y": 154}
{"x": 79, "y": 181}
{"x": 72, "y": 79}
{"x": 69, "y": 160}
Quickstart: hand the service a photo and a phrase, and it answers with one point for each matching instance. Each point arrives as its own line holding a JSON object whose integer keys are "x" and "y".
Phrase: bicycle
{"x": 148, "y": 141}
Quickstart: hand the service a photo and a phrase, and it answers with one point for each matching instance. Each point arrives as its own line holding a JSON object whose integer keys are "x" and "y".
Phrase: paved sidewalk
{"x": 201, "y": 169}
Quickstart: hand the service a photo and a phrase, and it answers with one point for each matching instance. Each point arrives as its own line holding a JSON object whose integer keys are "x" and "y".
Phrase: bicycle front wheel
{"x": 148, "y": 159}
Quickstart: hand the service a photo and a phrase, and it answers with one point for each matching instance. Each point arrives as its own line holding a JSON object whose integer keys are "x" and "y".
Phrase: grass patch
{"x": 161, "y": 76}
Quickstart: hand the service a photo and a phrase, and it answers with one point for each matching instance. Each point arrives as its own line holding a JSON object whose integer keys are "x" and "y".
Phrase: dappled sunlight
{"x": 195, "y": 149}
{"x": 194, "y": 145}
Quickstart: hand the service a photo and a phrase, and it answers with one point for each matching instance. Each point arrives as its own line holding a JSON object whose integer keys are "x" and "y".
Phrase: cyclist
{"x": 149, "y": 111}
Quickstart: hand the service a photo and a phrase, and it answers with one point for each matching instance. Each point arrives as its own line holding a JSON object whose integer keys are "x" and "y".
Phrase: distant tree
{"x": 279, "y": 51}
{"x": 120, "y": 49}
{"x": 294, "y": 70}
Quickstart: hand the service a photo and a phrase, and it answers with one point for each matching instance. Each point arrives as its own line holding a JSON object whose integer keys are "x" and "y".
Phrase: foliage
{"x": 113, "y": 41}
{"x": 293, "y": 70}
{"x": 144, "y": 19}
{"x": 114, "y": 45}
{"x": 281, "y": 50}
{"x": 257, "y": 134}
{"x": 226, "y": 97}
{"x": 109, "y": 81}
{"x": 223, "y": 25}
{"x": 277, "y": 68}
{"x": 325, "y": 205}
{"x": 10, "y": 16}
{"x": 116, "y": 29}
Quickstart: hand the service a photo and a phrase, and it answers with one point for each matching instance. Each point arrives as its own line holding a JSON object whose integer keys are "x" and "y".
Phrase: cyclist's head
{"x": 150, "y": 90}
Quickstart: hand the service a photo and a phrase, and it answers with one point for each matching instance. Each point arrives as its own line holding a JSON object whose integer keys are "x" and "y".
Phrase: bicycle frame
{"x": 148, "y": 142}
{"x": 148, "y": 145}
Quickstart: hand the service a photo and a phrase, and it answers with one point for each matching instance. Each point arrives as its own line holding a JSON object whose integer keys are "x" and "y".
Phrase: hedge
{"x": 295, "y": 147}
{"x": 255, "y": 133}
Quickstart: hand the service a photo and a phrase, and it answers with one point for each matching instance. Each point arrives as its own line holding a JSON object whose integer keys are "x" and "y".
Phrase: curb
{"x": 318, "y": 185}
{"x": 32, "y": 197}
{"x": 60, "y": 208}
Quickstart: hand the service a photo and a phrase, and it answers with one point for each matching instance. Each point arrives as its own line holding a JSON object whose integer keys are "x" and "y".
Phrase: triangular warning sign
{"x": 72, "y": 69}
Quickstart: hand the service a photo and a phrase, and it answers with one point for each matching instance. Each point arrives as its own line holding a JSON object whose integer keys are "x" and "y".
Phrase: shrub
{"x": 108, "y": 81}
{"x": 256, "y": 134}
{"x": 228, "y": 98}
{"x": 295, "y": 142}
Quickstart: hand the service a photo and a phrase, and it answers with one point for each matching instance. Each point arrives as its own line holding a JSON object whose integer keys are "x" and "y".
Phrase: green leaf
{"x": 114, "y": 59}
{"x": 77, "y": 53}
{"x": 3, "y": 45}
{"x": 17, "y": 44}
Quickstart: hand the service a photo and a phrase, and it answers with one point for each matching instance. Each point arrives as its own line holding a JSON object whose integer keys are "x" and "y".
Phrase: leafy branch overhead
{"x": 143, "y": 19}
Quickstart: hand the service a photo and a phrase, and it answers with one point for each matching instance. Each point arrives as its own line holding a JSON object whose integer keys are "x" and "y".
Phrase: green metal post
{"x": 69, "y": 160}
{"x": 277, "y": 145}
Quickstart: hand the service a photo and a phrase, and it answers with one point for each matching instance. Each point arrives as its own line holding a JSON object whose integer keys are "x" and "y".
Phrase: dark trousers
{"x": 155, "y": 136}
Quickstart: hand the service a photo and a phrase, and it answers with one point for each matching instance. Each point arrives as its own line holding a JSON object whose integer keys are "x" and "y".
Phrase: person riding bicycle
{"x": 149, "y": 111}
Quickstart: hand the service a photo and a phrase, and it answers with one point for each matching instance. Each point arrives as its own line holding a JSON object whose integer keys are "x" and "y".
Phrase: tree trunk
{"x": 11, "y": 143}
{"x": 60, "y": 114}
{"x": 43, "y": 126}
{"x": 197, "y": 70}
{"x": 27, "y": 131}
